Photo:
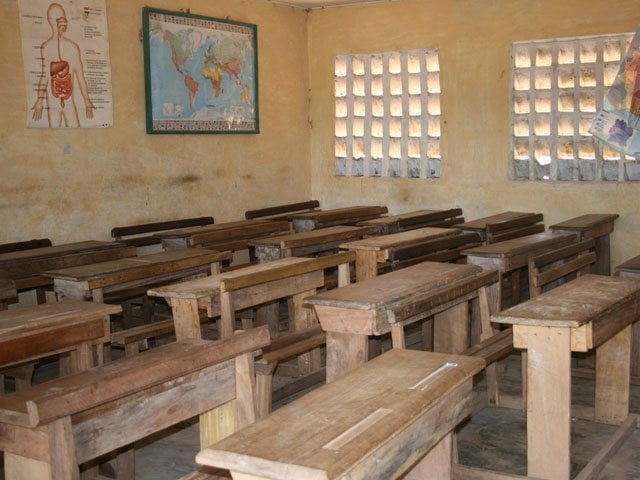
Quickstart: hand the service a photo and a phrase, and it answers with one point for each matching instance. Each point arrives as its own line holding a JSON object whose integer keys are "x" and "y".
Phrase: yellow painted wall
{"x": 121, "y": 175}
{"x": 474, "y": 38}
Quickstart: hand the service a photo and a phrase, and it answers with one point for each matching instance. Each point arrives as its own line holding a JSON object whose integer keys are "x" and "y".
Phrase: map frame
{"x": 185, "y": 125}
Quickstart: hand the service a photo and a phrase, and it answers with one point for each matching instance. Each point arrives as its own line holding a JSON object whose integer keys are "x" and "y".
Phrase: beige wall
{"x": 121, "y": 175}
{"x": 474, "y": 38}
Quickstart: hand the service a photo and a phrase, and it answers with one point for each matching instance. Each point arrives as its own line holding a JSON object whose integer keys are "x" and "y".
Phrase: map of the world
{"x": 201, "y": 74}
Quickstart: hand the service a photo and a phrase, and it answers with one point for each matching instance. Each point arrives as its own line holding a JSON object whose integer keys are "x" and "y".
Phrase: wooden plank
{"x": 75, "y": 393}
{"x": 585, "y": 222}
{"x": 287, "y": 208}
{"x": 612, "y": 378}
{"x": 141, "y": 228}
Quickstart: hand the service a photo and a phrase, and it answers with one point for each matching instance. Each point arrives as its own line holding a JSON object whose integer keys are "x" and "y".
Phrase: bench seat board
{"x": 373, "y": 423}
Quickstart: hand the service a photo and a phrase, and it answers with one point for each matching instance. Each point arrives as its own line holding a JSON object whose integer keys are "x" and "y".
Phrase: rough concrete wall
{"x": 474, "y": 38}
{"x": 72, "y": 185}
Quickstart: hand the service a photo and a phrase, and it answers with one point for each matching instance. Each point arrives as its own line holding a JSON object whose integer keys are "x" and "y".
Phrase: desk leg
{"x": 303, "y": 318}
{"x": 186, "y": 318}
{"x": 548, "y": 400}
{"x": 451, "y": 329}
{"x": 603, "y": 256}
{"x": 366, "y": 265}
{"x": 435, "y": 465}
{"x": 612, "y": 378}
{"x": 345, "y": 351}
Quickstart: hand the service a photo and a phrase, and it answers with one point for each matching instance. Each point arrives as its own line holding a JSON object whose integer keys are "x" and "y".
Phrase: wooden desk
{"x": 480, "y": 225}
{"x": 349, "y": 430}
{"x": 416, "y": 219}
{"x": 225, "y": 293}
{"x": 305, "y": 222}
{"x": 372, "y": 251}
{"x": 31, "y": 333}
{"x": 25, "y": 266}
{"x": 510, "y": 256}
{"x": 307, "y": 243}
{"x": 598, "y": 226}
{"x": 592, "y": 311}
{"x": 231, "y": 236}
{"x": 95, "y": 281}
{"x": 389, "y": 302}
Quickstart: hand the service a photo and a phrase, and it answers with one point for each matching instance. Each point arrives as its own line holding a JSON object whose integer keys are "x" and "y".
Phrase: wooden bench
{"x": 448, "y": 249}
{"x": 304, "y": 222}
{"x": 50, "y": 429}
{"x": 416, "y": 219}
{"x": 24, "y": 245}
{"x": 514, "y": 228}
{"x": 283, "y": 212}
{"x": 142, "y": 235}
{"x": 347, "y": 429}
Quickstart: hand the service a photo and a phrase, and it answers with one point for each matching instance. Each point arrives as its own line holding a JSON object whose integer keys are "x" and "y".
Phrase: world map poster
{"x": 65, "y": 50}
{"x": 617, "y": 123}
{"x": 201, "y": 74}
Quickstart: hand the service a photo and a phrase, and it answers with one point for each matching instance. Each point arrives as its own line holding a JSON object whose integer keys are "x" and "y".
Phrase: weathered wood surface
{"x": 339, "y": 216}
{"x": 25, "y": 266}
{"x": 480, "y": 224}
{"x": 309, "y": 242}
{"x": 347, "y": 429}
{"x": 282, "y": 212}
{"x": 24, "y": 245}
{"x": 522, "y": 247}
{"x": 416, "y": 219}
{"x": 137, "y": 232}
{"x": 50, "y": 428}
{"x": 95, "y": 281}
{"x": 222, "y": 236}
{"x": 8, "y": 292}
{"x": 33, "y": 332}
{"x": 597, "y": 226}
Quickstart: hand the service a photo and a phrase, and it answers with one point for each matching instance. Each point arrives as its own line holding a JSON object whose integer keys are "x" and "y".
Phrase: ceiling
{"x": 314, "y": 4}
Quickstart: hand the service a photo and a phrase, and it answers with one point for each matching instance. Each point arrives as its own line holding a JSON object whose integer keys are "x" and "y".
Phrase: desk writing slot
{"x": 422, "y": 384}
{"x": 359, "y": 428}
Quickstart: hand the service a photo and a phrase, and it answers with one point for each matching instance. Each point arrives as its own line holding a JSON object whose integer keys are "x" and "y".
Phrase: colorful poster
{"x": 617, "y": 123}
{"x": 65, "y": 49}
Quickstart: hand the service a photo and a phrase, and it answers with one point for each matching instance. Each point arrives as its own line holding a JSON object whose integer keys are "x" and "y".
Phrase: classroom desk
{"x": 480, "y": 224}
{"x": 30, "y": 333}
{"x": 307, "y": 243}
{"x": 590, "y": 312}
{"x": 95, "y": 281}
{"x": 231, "y": 236}
{"x": 372, "y": 251}
{"x": 510, "y": 256}
{"x": 224, "y": 293}
{"x": 374, "y": 423}
{"x": 389, "y": 302}
{"x": 415, "y": 219}
{"x": 597, "y": 226}
{"x": 304, "y": 222}
{"x": 25, "y": 266}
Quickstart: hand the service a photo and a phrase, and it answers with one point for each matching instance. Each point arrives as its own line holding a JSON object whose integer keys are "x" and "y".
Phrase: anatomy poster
{"x": 617, "y": 123}
{"x": 65, "y": 48}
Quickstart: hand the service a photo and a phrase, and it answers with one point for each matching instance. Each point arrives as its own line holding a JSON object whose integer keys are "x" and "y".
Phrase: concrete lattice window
{"x": 557, "y": 86}
{"x": 387, "y": 114}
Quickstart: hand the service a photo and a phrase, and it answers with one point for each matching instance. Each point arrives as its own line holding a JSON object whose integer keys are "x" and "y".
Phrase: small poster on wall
{"x": 65, "y": 49}
{"x": 617, "y": 123}
{"x": 201, "y": 74}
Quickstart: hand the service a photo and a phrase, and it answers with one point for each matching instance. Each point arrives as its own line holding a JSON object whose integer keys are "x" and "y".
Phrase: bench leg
{"x": 435, "y": 465}
{"x": 451, "y": 329}
{"x": 345, "y": 351}
{"x": 64, "y": 463}
{"x": 302, "y": 318}
{"x": 264, "y": 391}
{"x": 613, "y": 378}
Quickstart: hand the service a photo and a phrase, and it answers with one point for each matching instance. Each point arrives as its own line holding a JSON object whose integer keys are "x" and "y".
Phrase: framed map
{"x": 201, "y": 74}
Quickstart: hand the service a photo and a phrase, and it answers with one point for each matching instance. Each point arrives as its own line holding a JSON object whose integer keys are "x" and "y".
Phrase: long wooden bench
{"x": 391, "y": 416}
{"x": 141, "y": 235}
{"x": 283, "y": 212}
{"x": 24, "y": 245}
{"x": 50, "y": 429}
{"x": 447, "y": 249}
{"x": 513, "y": 228}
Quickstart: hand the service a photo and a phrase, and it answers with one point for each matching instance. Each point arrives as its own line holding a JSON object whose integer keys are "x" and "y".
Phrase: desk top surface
{"x": 480, "y": 224}
{"x": 423, "y": 215}
{"x": 22, "y": 320}
{"x": 225, "y": 228}
{"x": 585, "y": 222}
{"x": 401, "y": 239}
{"x": 207, "y": 286}
{"x": 313, "y": 237}
{"x": 401, "y": 286}
{"x": 57, "y": 251}
{"x": 522, "y": 245}
{"x": 162, "y": 262}
{"x": 337, "y": 428}
{"x": 574, "y": 303}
